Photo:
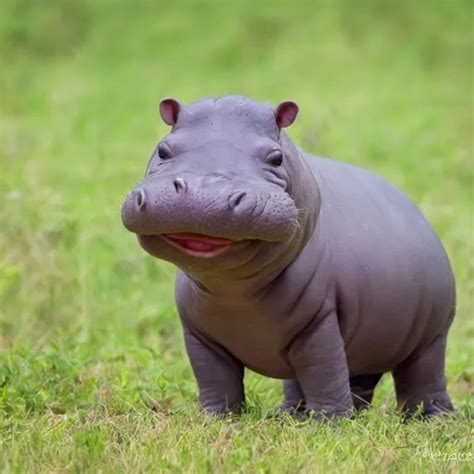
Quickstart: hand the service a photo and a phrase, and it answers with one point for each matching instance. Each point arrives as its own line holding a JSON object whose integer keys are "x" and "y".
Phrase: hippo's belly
{"x": 260, "y": 339}
{"x": 260, "y": 346}
{"x": 371, "y": 348}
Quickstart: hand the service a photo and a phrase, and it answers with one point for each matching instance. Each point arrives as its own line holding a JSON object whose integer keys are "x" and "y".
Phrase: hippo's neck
{"x": 269, "y": 261}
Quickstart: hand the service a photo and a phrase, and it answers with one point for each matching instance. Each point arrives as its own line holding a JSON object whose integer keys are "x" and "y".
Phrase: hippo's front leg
{"x": 320, "y": 365}
{"x": 219, "y": 375}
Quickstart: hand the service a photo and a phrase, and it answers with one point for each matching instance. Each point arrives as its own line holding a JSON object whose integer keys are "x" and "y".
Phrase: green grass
{"x": 93, "y": 374}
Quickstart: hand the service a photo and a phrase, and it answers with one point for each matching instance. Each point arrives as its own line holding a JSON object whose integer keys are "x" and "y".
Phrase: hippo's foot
{"x": 329, "y": 415}
{"x": 296, "y": 406}
{"x": 298, "y": 412}
{"x": 301, "y": 413}
{"x": 420, "y": 383}
{"x": 220, "y": 411}
{"x": 429, "y": 406}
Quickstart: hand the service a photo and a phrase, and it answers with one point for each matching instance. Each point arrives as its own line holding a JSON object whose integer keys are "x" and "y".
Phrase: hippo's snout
{"x": 233, "y": 200}
{"x": 181, "y": 186}
{"x": 176, "y": 205}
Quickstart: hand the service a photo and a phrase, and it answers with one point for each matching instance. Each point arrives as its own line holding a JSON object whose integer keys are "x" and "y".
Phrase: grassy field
{"x": 93, "y": 373}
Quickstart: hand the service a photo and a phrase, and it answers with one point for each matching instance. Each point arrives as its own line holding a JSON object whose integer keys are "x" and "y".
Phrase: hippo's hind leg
{"x": 362, "y": 389}
{"x": 420, "y": 383}
{"x": 294, "y": 398}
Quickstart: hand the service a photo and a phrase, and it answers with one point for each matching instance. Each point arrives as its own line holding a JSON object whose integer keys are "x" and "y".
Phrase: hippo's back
{"x": 395, "y": 288}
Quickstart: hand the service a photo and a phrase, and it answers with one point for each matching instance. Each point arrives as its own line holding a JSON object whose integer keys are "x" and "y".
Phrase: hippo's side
{"x": 299, "y": 268}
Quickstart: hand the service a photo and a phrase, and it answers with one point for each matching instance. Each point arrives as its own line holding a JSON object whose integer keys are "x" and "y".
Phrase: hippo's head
{"x": 220, "y": 187}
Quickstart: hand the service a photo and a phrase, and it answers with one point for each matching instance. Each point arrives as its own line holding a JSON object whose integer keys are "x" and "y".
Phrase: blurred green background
{"x": 88, "y": 328}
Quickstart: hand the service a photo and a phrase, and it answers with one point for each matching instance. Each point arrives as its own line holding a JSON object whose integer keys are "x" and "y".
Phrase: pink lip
{"x": 198, "y": 245}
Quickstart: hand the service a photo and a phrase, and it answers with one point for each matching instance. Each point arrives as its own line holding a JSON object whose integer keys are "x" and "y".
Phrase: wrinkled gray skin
{"x": 334, "y": 276}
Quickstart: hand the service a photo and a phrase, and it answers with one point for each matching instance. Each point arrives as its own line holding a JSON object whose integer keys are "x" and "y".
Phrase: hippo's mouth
{"x": 198, "y": 245}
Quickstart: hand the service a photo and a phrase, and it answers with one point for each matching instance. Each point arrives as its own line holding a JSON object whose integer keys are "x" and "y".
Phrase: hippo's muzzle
{"x": 221, "y": 209}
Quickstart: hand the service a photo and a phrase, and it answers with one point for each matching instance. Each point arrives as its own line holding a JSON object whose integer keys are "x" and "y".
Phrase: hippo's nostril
{"x": 141, "y": 199}
{"x": 236, "y": 198}
{"x": 180, "y": 185}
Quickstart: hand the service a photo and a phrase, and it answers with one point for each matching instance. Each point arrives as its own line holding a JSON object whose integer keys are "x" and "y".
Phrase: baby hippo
{"x": 296, "y": 267}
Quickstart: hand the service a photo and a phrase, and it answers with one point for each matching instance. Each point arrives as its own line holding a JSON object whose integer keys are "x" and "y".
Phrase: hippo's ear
{"x": 285, "y": 113}
{"x": 169, "y": 110}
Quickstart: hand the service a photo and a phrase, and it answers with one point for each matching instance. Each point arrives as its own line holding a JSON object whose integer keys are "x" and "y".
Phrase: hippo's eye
{"x": 164, "y": 151}
{"x": 275, "y": 158}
